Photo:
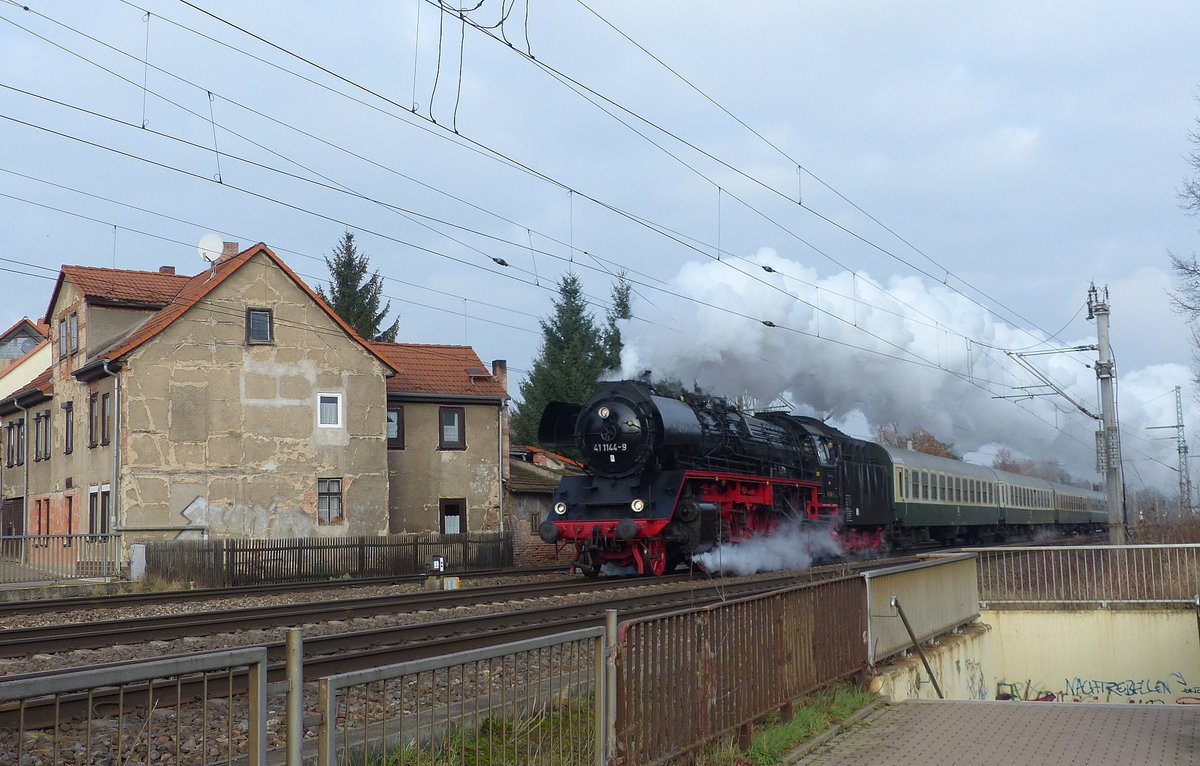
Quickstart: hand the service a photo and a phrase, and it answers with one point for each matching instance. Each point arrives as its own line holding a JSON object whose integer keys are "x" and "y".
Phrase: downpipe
{"x": 116, "y": 486}
{"x": 25, "y": 473}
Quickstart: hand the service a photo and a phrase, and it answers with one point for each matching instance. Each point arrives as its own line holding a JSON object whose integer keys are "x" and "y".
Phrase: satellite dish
{"x": 210, "y": 247}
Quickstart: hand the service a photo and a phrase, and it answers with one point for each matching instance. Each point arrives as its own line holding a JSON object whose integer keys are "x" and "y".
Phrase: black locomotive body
{"x": 672, "y": 477}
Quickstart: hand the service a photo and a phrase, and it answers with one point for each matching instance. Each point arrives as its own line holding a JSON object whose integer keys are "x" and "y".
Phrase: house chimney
{"x": 166, "y": 269}
{"x": 500, "y": 372}
{"x": 228, "y": 250}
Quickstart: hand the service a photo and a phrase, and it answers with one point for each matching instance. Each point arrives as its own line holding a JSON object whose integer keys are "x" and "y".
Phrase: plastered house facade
{"x": 233, "y": 403}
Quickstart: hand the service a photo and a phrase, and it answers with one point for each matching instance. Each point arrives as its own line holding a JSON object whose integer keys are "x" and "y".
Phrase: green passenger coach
{"x": 936, "y": 498}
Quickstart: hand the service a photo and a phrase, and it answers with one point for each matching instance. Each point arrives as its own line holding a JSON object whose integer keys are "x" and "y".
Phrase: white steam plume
{"x": 841, "y": 359}
{"x": 792, "y": 546}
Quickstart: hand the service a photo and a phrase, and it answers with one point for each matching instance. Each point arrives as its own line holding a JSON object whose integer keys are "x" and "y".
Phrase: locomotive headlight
{"x": 560, "y": 508}
{"x": 638, "y": 505}
{"x": 604, "y": 412}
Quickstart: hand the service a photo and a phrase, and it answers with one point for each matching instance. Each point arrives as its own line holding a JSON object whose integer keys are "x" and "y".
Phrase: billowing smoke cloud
{"x": 861, "y": 353}
{"x": 792, "y": 546}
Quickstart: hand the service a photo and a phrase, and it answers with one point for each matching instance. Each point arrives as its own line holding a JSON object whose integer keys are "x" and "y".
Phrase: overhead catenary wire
{"x": 289, "y": 126}
{"x": 917, "y": 358}
{"x": 571, "y": 191}
{"x": 558, "y": 74}
{"x": 376, "y": 94}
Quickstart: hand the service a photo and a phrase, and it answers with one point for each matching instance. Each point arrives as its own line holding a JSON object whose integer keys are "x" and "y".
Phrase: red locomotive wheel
{"x": 654, "y": 557}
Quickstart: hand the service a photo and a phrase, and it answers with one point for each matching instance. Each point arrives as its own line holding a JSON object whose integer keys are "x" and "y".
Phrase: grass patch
{"x": 772, "y": 739}
{"x": 1186, "y": 531}
{"x": 563, "y": 735}
{"x": 560, "y": 736}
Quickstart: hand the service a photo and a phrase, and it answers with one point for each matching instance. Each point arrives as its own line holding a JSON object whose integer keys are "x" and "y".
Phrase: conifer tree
{"x": 355, "y": 296}
{"x": 567, "y": 365}
{"x": 612, "y": 334}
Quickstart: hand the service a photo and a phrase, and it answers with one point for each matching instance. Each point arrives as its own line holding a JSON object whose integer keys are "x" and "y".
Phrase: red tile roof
{"x": 122, "y": 285}
{"x": 435, "y": 369}
{"x": 535, "y": 451}
{"x": 43, "y": 383}
{"x": 41, "y": 328}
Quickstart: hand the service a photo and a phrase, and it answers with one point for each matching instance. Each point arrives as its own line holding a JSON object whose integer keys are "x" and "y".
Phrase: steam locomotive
{"x": 672, "y": 477}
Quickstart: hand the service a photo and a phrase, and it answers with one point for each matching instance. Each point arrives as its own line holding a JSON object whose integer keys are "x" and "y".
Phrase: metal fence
{"x": 537, "y": 703}
{"x": 1089, "y": 575}
{"x": 639, "y": 693}
{"x": 55, "y": 558}
{"x": 687, "y": 677}
{"x": 236, "y": 561}
{"x": 175, "y": 710}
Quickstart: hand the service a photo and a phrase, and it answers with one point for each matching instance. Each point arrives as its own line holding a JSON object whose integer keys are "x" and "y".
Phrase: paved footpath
{"x": 936, "y": 733}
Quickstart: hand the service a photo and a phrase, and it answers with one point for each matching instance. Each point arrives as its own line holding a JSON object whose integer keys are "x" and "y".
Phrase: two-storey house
{"x": 447, "y": 438}
{"x": 232, "y": 403}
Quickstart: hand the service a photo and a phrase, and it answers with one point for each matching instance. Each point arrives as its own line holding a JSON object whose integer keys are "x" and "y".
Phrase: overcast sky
{"x": 967, "y": 172}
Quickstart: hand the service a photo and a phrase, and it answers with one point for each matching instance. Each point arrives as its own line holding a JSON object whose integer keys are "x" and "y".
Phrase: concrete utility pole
{"x": 1108, "y": 439}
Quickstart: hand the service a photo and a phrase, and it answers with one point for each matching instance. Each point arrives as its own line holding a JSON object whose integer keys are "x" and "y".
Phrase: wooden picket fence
{"x": 238, "y": 561}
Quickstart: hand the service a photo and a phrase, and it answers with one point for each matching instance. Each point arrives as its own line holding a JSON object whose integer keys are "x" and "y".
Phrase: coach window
{"x": 942, "y": 487}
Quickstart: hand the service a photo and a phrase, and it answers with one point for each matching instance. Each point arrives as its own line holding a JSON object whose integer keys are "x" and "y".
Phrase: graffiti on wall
{"x": 1171, "y": 689}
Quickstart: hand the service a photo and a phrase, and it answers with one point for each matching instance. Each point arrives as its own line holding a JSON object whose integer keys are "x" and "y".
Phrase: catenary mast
{"x": 1108, "y": 439}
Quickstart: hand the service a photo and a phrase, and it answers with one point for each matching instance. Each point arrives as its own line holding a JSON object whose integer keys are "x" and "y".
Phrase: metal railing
{"x": 1098, "y": 575}
{"x": 55, "y": 558}
{"x": 687, "y": 677}
{"x": 537, "y": 702}
{"x": 177, "y": 710}
{"x": 637, "y": 693}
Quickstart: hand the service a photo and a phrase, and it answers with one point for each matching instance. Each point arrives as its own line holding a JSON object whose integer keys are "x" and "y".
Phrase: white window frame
{"x": 338, "y": 399}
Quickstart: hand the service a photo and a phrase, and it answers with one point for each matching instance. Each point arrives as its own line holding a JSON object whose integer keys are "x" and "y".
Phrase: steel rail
{"x": 19, "y": 642}
{"x": 117, "y": 600}
{"x": 336, "y": 653}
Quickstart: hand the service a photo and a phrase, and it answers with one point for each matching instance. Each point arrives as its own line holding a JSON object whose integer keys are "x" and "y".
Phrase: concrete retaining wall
{"x": 1104, "y": 656}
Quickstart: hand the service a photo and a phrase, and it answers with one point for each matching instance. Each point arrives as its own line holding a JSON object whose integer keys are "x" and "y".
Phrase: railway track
{"x": 18, "y": 642}
{"x": 341, "y": 652}
{"x": 112, "y": 601}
